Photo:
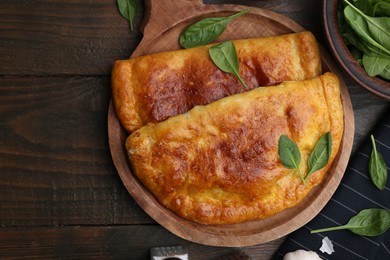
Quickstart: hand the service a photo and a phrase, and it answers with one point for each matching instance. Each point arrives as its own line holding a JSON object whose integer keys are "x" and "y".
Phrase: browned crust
{"x": 219, "y": 164}
{"x": 154, "y": 87}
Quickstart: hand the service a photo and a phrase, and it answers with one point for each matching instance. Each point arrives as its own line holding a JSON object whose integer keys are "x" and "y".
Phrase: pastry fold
{"x": 219, "y": 163}
{"x": 155, "y": 87}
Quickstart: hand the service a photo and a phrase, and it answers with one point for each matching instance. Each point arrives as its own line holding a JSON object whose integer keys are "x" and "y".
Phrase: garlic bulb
{"x": 302, "y": 255}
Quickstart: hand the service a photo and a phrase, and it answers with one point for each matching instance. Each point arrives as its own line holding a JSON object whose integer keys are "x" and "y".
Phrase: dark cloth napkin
{"x": 355, "y": 193}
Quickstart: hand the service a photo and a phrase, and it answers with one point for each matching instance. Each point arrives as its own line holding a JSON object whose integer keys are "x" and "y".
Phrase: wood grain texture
{"x": 77, "y": 37}
{"x": 84, "y": 37}
{"x": 112, "y": 242}
{"x": 55, "y": 165}
{"x": 54, "y": 160}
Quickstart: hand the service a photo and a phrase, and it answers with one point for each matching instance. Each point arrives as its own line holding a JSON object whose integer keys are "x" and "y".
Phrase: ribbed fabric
{"x": 355, "y": 193}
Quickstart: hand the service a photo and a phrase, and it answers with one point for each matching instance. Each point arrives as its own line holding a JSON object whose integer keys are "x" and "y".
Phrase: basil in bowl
{"x": 358, "y": 34}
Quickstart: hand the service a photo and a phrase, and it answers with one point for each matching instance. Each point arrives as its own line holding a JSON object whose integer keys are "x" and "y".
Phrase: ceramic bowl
{"x": 343, "y": 56}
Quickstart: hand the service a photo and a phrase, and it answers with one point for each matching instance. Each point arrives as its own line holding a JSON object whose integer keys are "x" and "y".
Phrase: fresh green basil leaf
{"x": 379, "y": 28}
{"x": 289, "y": 155}
{"x": 127, "y": 9}
{"x": 382, "y": 9}
{"x": 385, "y": 73}
{"x": 320, "y": 155}
{"x": 376, "y": 30}
{"x": 374, "y": 65}
{"x": 373, "y": 2}
{"x": 205, "y": 31}
{"x": 224, "y": 56}
{"x": 351, "y": 38}
{"x": 369, "y": 222}
{"x": 377, "y": 167}
{"x": 365, "y": 6}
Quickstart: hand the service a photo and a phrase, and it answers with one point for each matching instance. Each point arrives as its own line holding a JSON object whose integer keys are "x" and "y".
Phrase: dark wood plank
{"x": 119, "y": 242}
{"x": 368, "y": 110}
{"x": 55, "y": 164}
{"x": 78, "y": 37}
{"x": 84, "y": 37}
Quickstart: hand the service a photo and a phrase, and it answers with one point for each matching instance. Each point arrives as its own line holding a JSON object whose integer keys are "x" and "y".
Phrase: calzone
{"x": 219, "y": 163}
{"x": 154, "y": 87}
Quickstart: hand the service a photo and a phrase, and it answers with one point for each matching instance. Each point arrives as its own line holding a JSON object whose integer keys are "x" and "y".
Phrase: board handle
{"x": 162, "y": 14}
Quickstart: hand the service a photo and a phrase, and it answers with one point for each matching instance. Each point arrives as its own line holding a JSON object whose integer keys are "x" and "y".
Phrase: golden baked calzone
{"x": 154, "y": 87}
{"x": 219, "y": 163}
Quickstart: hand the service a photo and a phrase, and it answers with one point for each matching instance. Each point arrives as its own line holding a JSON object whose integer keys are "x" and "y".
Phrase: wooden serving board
{"x": 164, "y": 22}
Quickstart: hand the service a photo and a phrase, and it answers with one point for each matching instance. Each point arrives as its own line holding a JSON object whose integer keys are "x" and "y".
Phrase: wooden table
{"x": 60, "y": 193}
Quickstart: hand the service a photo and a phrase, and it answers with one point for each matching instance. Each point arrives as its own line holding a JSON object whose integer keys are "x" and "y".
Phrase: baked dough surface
{"x": 219, "y": 163}
{"x": 154, "y": 87}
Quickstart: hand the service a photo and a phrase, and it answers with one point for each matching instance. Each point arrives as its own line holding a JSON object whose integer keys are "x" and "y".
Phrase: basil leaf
{"x": 369, "y": 222}
{"x": 365, "y": 6}
{"x": 206, "y": 30}
{"x": 351, "y": 38}
{"x": 382, "y": 9}
{"x": 376, "y": 30}
{"x": 320, "y": 155}
{"x": 289, "y": 154}
{"x": 377, "y": 167}
{"x": 127, "y": 9}
{"x": 374, "y": 65}
{"x": 385, "y": 73}
{"x": 370, "y": 34}
{"x": 373, "y": 2}
{"x": 224, "y": 56}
